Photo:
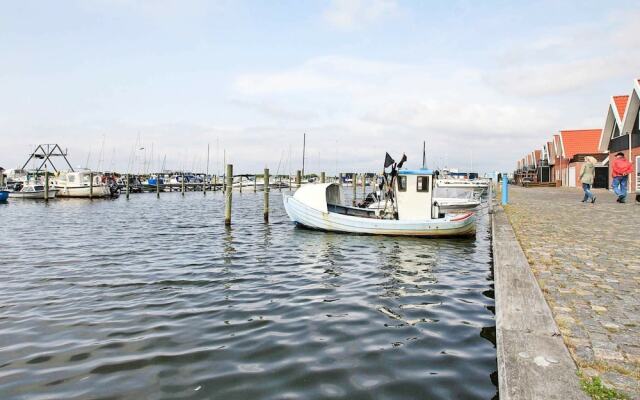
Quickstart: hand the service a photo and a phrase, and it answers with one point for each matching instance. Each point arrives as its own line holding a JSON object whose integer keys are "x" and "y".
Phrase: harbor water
{"x": 155, "y": 298}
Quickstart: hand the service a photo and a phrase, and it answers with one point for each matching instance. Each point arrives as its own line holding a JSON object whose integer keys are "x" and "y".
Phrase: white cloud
{"x": 373, "y": 106}
{"x": 569, "y": 58}
{"x": 356, "y": 14}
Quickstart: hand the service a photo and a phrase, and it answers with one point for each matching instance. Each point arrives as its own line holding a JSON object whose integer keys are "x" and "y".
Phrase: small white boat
{"x": 413, "y": 213}
{"x": 32, "y": 191}
{"x": 78, "y": 184}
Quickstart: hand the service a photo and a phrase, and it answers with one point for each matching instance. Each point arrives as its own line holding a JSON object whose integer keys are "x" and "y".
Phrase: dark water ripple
{"x": 157, "y": 299}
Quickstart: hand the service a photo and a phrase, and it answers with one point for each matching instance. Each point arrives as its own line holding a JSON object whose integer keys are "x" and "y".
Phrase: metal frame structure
{"x": 45, "y": 155}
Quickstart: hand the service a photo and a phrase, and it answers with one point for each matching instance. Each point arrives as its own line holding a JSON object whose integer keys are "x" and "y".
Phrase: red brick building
{"x": 574, "y": 146}
{"x": 621, "y": 131}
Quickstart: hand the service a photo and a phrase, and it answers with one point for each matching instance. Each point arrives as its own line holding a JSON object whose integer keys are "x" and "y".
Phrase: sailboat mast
{"x": 424, "y": 154}
{"x": 207, "y": 162}
{"x": 304, "y": 145}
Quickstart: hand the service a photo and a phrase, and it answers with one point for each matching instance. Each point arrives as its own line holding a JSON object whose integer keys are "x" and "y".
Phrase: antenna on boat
{"x": 304, "y": 145}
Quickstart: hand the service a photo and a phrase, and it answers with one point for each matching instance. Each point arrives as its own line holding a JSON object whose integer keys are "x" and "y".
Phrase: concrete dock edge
{"x": 533, "y": 361}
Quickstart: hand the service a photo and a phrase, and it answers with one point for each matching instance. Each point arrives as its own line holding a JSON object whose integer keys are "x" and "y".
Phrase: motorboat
{"x": 475, "y": 185}
{"x": 410, "y": 209}
{"x": 32, "y": 191}
{"x": 79, "y": 184}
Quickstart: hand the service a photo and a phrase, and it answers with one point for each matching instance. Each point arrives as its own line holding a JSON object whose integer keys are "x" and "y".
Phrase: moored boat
{"x": 4, "y": 195}
{"x": 32, "y": 191}
{"x": 79, "y": 184}
{"x": 410, "y": 210}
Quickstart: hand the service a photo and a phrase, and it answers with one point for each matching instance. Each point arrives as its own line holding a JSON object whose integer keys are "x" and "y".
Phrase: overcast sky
{"x": 482, "y": 82}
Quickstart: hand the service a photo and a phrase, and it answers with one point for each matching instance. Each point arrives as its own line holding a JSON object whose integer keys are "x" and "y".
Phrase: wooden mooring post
{"x": 240, "y": 184}
{"x": 182, "y": 184}
{"x": 228, "y": 190}
{"x": 322, "y": 177}
{"x": 158, "y": 186}
{"x": 255, "y": 183}
{"x": 298, "y": 178}
{"x": 364, "y": 186}
{"x": 340, "y": 180}
{"x": 46, "y": 185}
{"x": 354, "y": 183}
{"x": 127, "y": 190}
{"x": 91, "y": 185}
{"x": 266, "y": 195}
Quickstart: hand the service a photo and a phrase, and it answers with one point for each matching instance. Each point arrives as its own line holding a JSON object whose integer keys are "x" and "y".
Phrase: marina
{"x": 182, "y": 306}
{"x": 319, "y": 200}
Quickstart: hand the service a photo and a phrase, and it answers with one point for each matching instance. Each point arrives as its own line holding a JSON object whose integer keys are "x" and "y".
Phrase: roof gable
{"x": 620, "y": 103}
{"x": 580, "y": 141}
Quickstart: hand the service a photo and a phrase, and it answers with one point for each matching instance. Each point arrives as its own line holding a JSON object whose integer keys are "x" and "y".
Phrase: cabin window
{"x": 402, "y": 183}
{"x": 71, "y": 178}
{"x": 423, "y": 184}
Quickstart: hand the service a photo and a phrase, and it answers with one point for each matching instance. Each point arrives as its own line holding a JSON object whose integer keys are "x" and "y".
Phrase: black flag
{"x": 402, "y": 160}
{"x": 388, "y": 161}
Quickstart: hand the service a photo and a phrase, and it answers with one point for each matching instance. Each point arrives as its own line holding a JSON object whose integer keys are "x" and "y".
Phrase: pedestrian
{"x": 586, "y": 177}
{"x": 620, "y": 170}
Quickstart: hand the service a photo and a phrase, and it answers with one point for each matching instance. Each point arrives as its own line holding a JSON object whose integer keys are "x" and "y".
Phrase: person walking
{"x": 620, "y": 170}
{"x": 587, "y": 174}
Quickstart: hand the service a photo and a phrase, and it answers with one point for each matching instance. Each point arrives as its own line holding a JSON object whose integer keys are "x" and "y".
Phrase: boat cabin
{"x": 414, "y": 195}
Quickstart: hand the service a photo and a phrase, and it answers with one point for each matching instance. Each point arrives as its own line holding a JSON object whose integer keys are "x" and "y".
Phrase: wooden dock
{"x": 533, "y": 361}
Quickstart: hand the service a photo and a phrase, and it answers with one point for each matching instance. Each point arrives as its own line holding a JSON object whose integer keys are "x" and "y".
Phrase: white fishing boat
{"x": 410, "y": 210}
{"x": 31, "y": 191}
{"x": 78, "y": 184}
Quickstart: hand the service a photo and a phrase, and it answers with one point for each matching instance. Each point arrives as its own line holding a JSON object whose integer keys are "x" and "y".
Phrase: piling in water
{"x": 91, "y": 185}
{"x": 46, "y": 185}
{"x": 266, "y": 195}
{"x": 298, "y": 178}
{"x": 229, "y": 189}
{"x": 364, "y": 186}
{"x": 255, "y": 183}
{"x": 182, "y": 184}
{"x": 355, "y": 187}
{"x": 322, "y": 177}
{"x": 127, "y": 187}
{"x": 158, "y": 186}
{"x": 340, "y": 180}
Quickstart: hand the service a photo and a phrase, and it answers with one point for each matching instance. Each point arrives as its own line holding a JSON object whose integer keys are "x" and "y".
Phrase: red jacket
{"x": 620, "y": 167}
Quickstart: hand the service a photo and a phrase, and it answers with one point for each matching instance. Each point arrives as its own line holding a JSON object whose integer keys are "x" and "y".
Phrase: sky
{"x": 136, "y": 86}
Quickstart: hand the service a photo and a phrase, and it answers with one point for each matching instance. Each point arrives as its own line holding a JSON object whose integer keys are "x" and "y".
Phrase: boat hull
{"x": 84, "y": 191}
{"x": 4, "y": 195}
{"x": 38, "y": 195}
{"x": 460, "y": 225}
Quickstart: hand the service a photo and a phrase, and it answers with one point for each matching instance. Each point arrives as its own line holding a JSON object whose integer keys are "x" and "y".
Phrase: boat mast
{"x": 207, "y": 175}
{"x": 304, "y": 145}
{"x": 424, "y": 154}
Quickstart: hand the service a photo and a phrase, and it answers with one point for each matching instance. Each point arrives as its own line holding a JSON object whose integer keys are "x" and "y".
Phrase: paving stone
{"x": 588, "y": 259}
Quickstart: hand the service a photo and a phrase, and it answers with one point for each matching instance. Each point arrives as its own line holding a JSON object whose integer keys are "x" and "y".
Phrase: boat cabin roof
{"x": 415, "y": 172}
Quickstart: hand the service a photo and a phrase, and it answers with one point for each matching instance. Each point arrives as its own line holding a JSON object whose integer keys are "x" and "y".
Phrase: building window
{"x": 423, "y": 184}
{"x": 402, "y": 183}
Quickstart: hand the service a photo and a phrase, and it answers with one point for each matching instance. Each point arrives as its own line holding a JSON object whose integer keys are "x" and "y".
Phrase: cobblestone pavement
{"x": 586, "y": 258}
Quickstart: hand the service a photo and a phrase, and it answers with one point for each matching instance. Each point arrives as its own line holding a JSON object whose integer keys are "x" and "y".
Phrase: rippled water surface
{"x": 151, "y": 298}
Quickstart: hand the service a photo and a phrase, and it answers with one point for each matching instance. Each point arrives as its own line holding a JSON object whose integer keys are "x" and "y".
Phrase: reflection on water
{"x": 152, "y": 298}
